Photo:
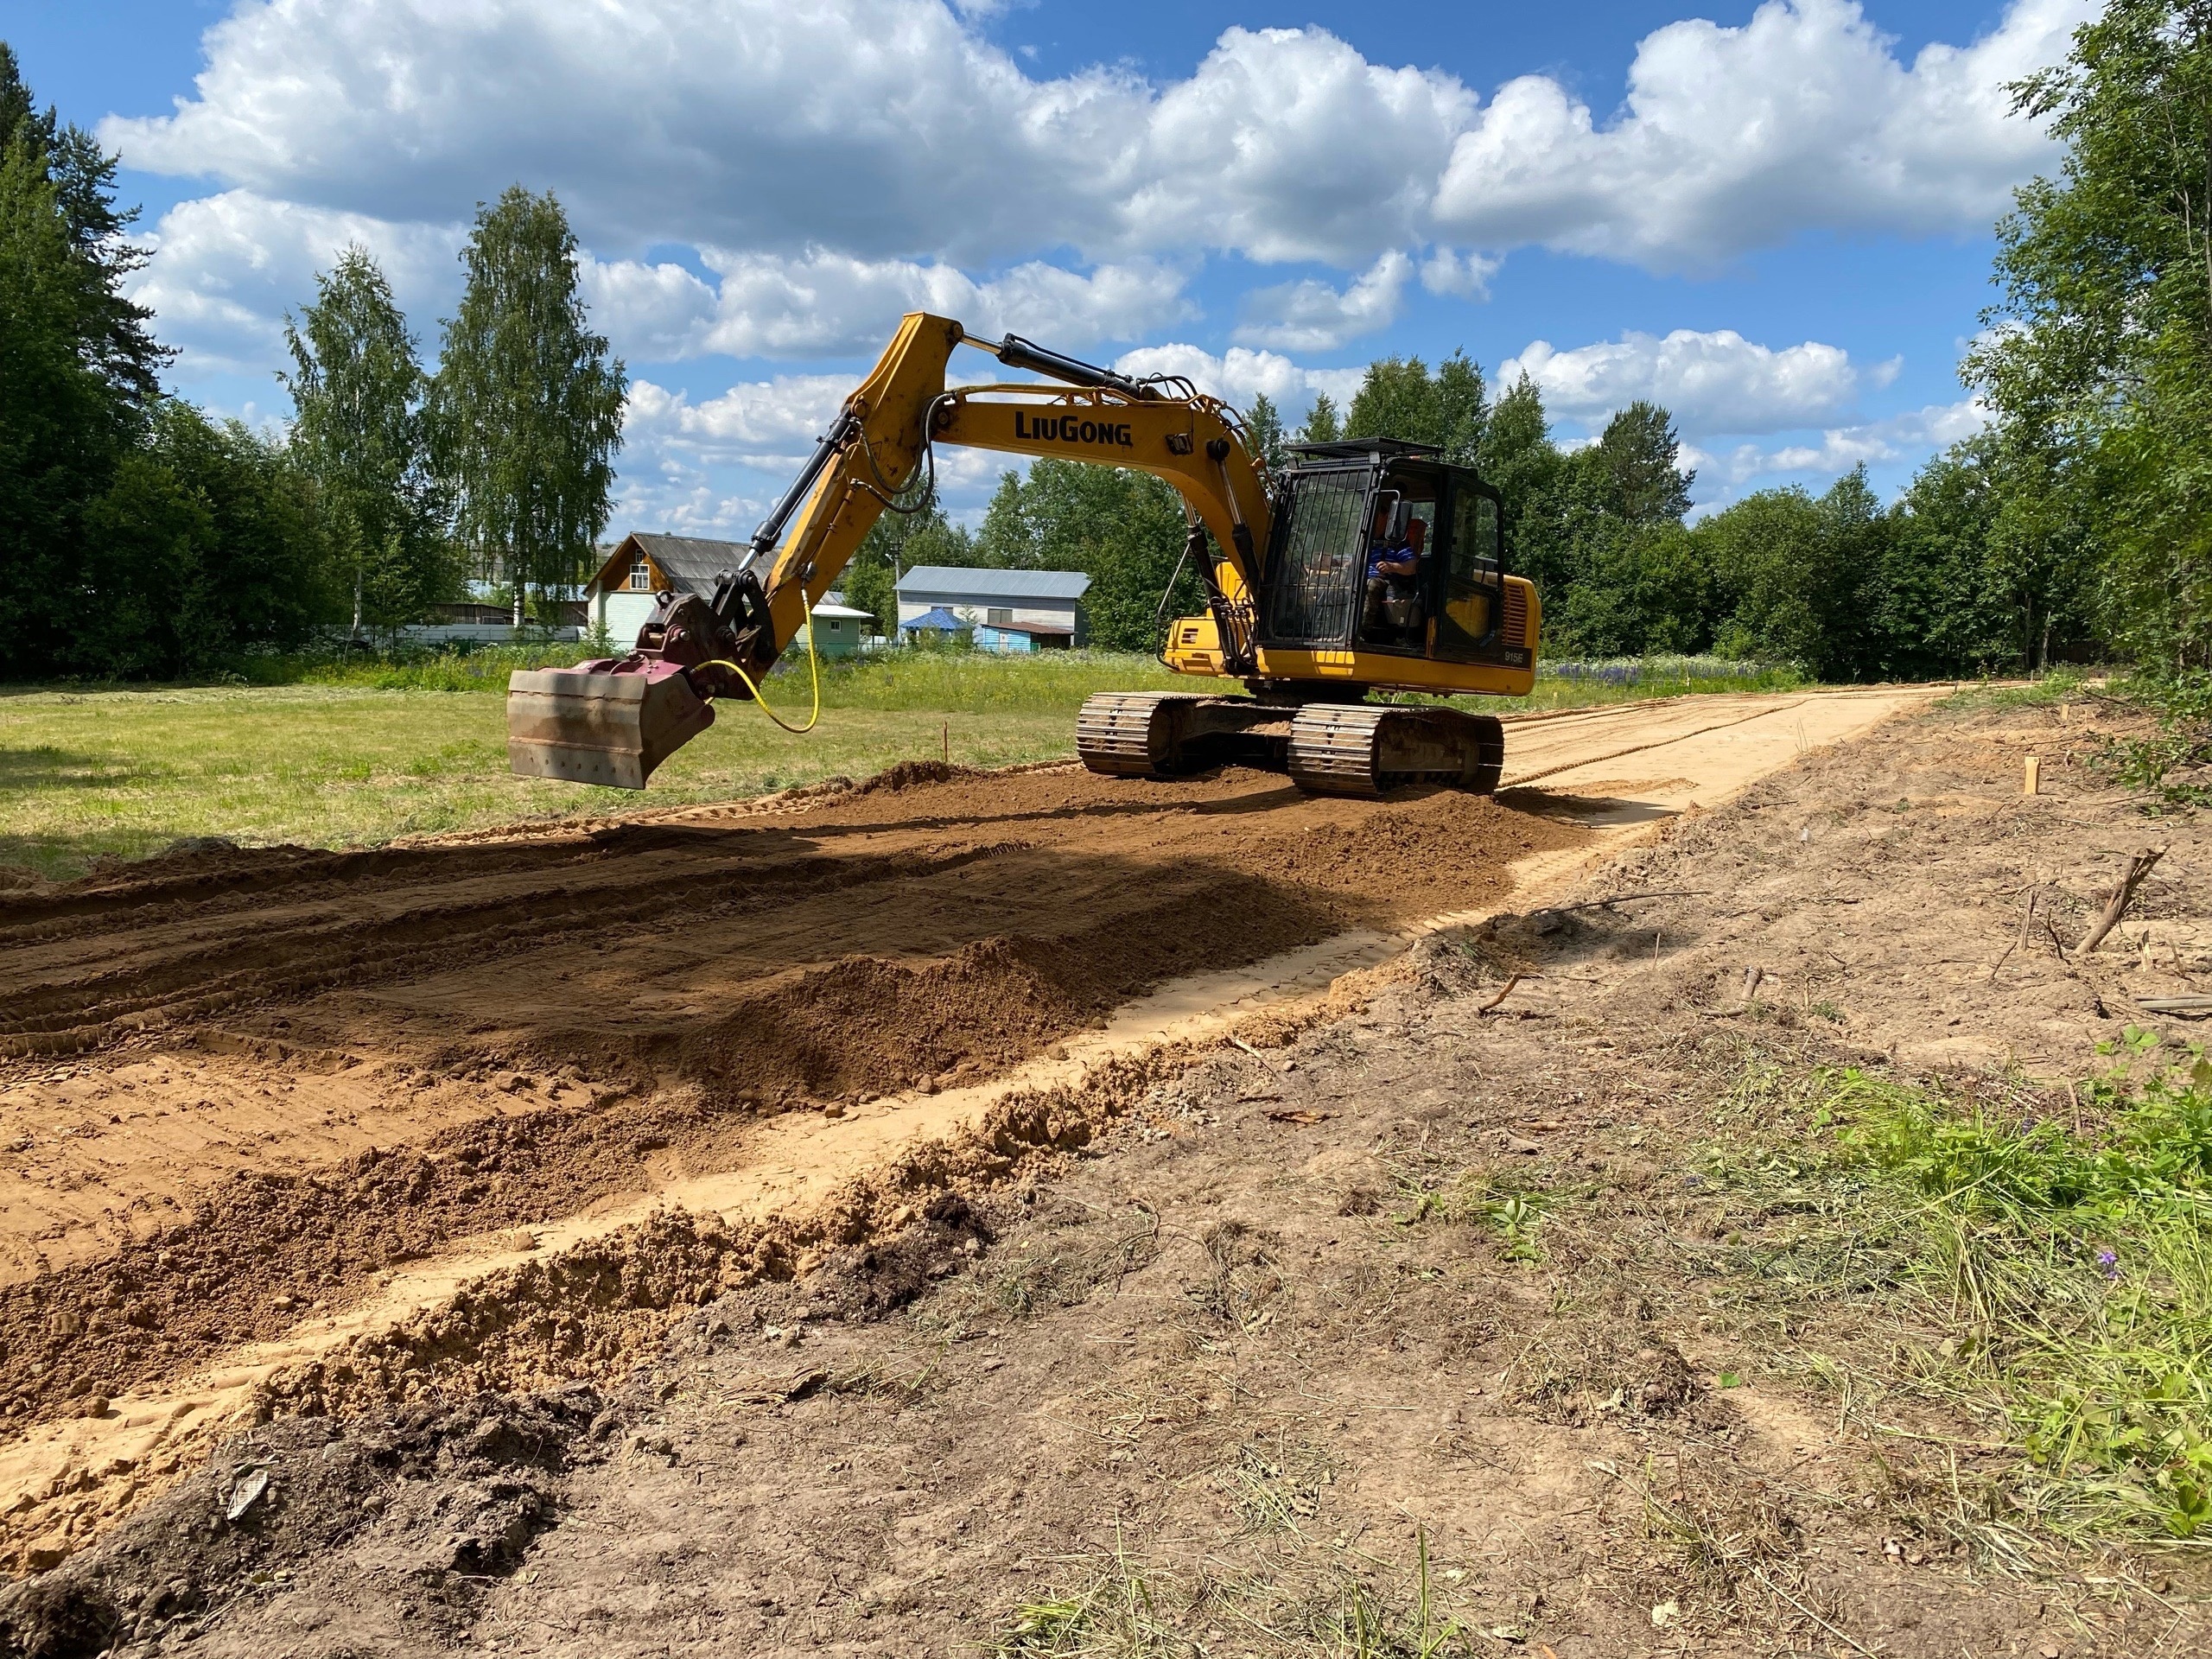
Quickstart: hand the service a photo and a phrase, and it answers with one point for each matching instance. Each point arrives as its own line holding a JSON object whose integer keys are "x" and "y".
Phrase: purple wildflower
{"x": 2108, "y": 1264}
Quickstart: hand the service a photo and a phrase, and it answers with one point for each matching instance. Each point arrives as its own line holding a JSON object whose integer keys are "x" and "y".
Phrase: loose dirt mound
{"x": 429, "y": 1502}
{"x": 326, "y": 1064}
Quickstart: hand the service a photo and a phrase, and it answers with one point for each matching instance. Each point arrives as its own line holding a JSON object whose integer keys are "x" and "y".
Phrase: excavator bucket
{"x": 601, "y": 728}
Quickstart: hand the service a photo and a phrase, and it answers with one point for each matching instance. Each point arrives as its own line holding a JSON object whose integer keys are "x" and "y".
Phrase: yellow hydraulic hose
{"x": 813, "y": 662}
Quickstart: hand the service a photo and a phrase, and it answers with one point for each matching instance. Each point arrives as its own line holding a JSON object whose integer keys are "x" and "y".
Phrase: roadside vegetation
{"x": 2048, "y": 1276}
{"x": 2169, "y": 765}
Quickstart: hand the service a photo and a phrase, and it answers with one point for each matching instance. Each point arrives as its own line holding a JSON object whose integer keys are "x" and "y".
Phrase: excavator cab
{"x": 1324, "y": 635}
{"x": 1339, "y": 501}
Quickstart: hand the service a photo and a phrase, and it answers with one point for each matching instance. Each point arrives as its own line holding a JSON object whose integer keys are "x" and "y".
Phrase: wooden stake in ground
{"x": 2031, "y": 784}
{"x": 2027, "y": 921}
{"x": 1501, "y": 996}
{"x": 2139, "y": 866}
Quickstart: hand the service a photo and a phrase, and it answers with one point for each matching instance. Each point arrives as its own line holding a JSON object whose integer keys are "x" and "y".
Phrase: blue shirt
{"x": 1395, "y": 552}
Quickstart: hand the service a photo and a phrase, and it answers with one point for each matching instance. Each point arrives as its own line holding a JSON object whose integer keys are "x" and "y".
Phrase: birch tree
{"x": 526, "y": 408}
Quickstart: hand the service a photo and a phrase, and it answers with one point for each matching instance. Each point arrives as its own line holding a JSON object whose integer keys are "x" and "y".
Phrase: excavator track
{"x": 1328, "y": 749}
{"x": 1133, "y": 733}
{"x": 1172, "y": 734}
{"x": 1364, "y": 749}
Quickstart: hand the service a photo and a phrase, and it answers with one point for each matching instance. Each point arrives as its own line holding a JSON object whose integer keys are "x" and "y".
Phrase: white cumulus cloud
{"x": 226, "y": 267}
{"x": 1897, "y": 437}
{"x": 773, "y": 422}
{"x": 1710, "y": 382}
{"x": 889, "y": 129}
{"x": 818, "y": 168}
{"x": 1311, "y": 316}
{"x": 1466, "y": 275}
{"x": 681, "y": 455}
{"x": 1733, "y": 139}
{"x": 1236, "y": 375}
{"x": 824, "y": 304}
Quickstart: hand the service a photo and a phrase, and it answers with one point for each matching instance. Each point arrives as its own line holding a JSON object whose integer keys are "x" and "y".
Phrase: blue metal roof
{"x": 932, "y": 580}
{"x": 939, "y": 618}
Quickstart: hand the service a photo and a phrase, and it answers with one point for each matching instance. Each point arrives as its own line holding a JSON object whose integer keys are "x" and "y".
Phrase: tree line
{"x": 1950, "y": 579}
{"x": 2076, "y": 524}
{"x": 139, "y": 538}
{"x": 1836, "y": 583}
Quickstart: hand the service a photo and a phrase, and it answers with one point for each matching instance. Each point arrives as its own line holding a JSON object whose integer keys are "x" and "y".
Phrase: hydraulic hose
{"x": 814, "y": 665}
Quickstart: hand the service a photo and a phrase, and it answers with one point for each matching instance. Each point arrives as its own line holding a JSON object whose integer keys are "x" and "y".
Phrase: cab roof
{"x": 1366, "y": 448}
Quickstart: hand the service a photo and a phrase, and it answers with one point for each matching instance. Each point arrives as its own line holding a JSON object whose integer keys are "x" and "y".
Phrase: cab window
{"x": 1394, "y": 609}
{"x": 1472, "y": 579}
{"x": 1320, "y": 556}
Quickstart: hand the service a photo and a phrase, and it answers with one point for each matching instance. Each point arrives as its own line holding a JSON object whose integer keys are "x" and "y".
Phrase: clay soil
{"x": 1206, "y": 1351}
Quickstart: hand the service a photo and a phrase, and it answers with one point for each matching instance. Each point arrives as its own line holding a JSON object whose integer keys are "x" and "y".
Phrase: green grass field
{"x": 360, "y": 755}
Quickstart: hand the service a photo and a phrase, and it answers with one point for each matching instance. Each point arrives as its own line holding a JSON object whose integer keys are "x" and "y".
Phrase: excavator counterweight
{"x": 1361, "y": 567}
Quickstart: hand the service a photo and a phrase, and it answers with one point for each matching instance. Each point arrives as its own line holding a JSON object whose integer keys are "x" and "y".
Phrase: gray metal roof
{"x": 691, "y": 562}
{"x": 933, "y": 579}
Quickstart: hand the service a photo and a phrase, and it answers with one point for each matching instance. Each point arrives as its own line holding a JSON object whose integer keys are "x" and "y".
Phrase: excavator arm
{"x": 880, "y": 441}
{"x": 612, "y": 722}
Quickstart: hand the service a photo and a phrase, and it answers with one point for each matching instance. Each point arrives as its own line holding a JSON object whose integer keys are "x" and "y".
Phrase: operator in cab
{"x": 1393, "y": 562}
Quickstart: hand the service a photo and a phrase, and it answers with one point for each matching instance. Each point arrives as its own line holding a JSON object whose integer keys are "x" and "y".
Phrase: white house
{"x": 621, "y": 594}
{"x": 641, "y": 567}
{"x": 1009, "y": 610}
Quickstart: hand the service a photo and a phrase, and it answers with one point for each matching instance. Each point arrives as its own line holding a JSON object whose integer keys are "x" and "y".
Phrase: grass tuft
{"x": 2062, "y": 1269}
{"x": 1110, "y": 1606}
{"x": 2058, "y": 685}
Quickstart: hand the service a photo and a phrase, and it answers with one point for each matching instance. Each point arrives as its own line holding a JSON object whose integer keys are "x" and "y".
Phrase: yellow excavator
{"x": 1293, "y": 611}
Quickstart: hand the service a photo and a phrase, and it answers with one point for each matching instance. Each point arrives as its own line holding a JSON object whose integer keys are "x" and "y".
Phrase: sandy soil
{"x": 302, "y": 1131}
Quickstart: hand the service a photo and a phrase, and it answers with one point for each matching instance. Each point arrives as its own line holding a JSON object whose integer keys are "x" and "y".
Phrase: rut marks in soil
{"x": 738, "y": 969}
{"x": 866, "y": 1023}
{"x": 177, "y": 1300}
{"x": 206, "y": 970}
{"x": 262, "y": 1249}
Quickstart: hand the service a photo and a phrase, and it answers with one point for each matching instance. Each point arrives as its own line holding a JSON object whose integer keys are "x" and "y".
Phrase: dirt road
{"x": 258, "y": 1104}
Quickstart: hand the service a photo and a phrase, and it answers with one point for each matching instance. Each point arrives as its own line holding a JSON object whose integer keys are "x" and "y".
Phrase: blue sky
{"x": 1774, "y": 218}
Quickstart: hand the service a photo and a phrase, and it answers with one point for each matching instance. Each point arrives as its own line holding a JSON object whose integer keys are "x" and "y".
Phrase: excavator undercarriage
{"x": 1327, "y": 748}
{"x": 1357, "y": 568}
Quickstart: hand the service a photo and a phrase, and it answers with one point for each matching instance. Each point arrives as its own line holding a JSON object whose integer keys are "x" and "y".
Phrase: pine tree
{"x": 360, "y": 433}
{"x": 1321, "y": 423}
{"x": 1263, "y": 430}
{"x": 62, "y": 429}
{"x": 526, "y": 408}
{"x": 112, "y": 331}
{"x": 1637, "y": 452}
{"x": 77, "y": 370}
